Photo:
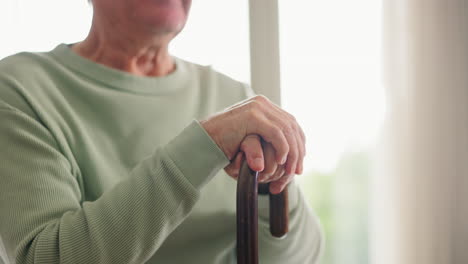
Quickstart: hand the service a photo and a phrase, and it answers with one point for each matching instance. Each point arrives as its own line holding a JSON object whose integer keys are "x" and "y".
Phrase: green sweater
{"x": 101, "y": 166}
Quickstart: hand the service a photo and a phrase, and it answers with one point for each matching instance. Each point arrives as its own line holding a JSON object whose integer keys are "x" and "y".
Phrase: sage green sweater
{"x": 100, "y": 166}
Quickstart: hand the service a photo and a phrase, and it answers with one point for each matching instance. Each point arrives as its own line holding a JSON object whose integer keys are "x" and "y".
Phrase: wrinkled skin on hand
{"x": 269, "y": 138}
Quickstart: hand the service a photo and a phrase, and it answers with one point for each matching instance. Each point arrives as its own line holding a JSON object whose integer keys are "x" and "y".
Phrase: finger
{"x": 300, "y": 167}
{"x": 289, "y": 129}
{"x": 278, "y": 186}
{"x": 278, "y": 114}
{"x": 278, "y": 174}
{"x": 301, "y": 148}
{"x": 301, "y": 131}
{"x": 270, "y": 162}
{"x": 293, "y": 155}
{"x": 252, "y": 148}
{"x": 274, "y": 135}
{"x": 233, "y": 168}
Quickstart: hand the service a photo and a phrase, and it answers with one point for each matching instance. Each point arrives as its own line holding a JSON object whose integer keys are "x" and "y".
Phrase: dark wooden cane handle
{"x": 279, "y": 213}
{"x": 247, "y": 215}
{"x": 278, "y": 210}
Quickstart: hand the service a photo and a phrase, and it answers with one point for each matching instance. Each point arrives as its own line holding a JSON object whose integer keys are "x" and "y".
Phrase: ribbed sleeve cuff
{"x": 196, "y": 155}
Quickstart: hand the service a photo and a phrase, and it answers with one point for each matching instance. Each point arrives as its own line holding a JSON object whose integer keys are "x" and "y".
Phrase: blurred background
{"x": 368, "y": 80}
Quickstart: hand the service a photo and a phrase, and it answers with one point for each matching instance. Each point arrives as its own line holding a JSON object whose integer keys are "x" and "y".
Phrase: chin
{"x": 164, "y": 16}
{"x": 167, "y": 24}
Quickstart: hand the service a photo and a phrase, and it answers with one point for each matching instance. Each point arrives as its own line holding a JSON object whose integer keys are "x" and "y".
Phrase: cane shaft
{"x": 247, "y": 214}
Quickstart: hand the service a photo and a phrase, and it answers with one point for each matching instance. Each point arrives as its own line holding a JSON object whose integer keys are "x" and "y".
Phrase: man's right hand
{"x": 243, "y": 127}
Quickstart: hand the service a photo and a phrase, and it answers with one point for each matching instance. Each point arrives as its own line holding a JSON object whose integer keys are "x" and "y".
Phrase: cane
{"x": 247, "y": 214}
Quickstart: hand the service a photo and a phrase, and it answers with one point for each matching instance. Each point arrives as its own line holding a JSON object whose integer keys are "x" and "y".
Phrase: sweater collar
{"x": 121, "y": 80}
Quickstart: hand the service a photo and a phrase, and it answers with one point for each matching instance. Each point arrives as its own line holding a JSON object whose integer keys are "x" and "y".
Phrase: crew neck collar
{"x": 121, "y": 80}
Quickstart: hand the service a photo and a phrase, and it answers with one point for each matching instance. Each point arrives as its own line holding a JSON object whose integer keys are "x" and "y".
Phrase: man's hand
{"x": 241, "y": 129}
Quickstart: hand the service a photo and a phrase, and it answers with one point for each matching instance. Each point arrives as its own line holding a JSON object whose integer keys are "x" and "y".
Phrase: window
{"x": 210, "y": 38}
{"x": 330, "y": 74}
{"x": 28, "y": 25}
{"x": 217, "y": 34}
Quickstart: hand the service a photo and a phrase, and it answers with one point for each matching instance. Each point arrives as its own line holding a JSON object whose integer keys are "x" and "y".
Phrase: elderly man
{"x": 103, "y": 159}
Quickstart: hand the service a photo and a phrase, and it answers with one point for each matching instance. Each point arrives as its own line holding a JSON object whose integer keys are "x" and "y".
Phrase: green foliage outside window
{"x": 340, "y": 199}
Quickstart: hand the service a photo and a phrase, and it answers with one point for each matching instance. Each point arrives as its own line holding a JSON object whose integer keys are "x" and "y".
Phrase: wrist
{"x": 214, "y": 132}
{"x": 196, "y": 155}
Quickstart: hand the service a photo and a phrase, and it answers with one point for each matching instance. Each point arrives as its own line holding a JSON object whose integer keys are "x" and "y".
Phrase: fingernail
{"x": 259, "y": 162}
{"x": 283, "y": 160}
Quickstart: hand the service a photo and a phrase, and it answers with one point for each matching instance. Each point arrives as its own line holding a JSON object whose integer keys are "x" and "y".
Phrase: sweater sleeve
{"x": 42, "y": 217}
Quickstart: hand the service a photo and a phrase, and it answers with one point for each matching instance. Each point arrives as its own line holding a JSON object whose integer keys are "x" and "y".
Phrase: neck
{"x": 139, "y": 55}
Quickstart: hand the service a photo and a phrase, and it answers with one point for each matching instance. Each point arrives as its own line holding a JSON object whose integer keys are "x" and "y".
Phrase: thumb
{"x": 252, "y": 147}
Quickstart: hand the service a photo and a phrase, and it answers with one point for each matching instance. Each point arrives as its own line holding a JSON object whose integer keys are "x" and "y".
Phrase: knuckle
{"x": 301, "y": 153}
{"x": 254, "y": 113}
{"x": 303, "y": 135}
{"x": 297, "y": 127}
{"x": 293, "y": 155}
{"x": 276, "y": 131}
{"x": 261, "y": 98}
{"x": 291, "y": 117}
{"x": 249, "y": 107}
{"x": 288, "y": 129}
{"x": 252, "y": 105}
{"x": 298, "y": 130}
{"x": 279, "y": 134}
{"x": 281, "y": 142}
{"x": 256, "y": 104}
{"x": 301, "y": 147}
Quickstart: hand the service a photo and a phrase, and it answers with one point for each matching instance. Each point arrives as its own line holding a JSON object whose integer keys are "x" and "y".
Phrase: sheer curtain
{"x": 421, "y": 191}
